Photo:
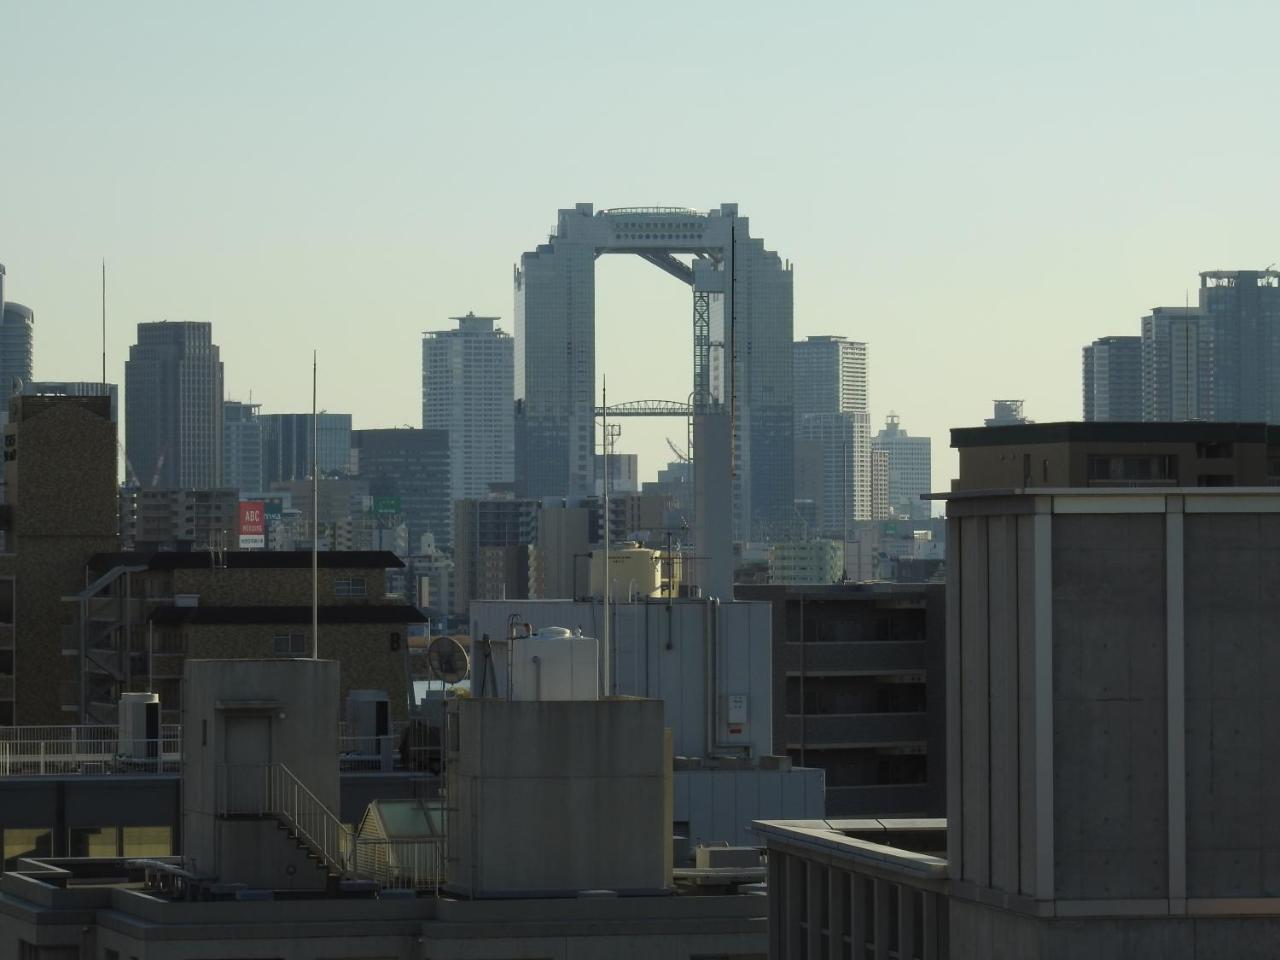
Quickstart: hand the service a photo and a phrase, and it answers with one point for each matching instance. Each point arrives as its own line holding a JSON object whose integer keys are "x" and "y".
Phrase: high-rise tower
{"x": 742, "y": 328}
{"x": 1177, "y": 365}
{"x": 467, "y": 383}
{"x": 1112, "y": 379}
{"x": 908, "y": 462}
{"x": 242, "y": 447}
{"x": 173, "y": 405}
{"x": 1243, "y": 307}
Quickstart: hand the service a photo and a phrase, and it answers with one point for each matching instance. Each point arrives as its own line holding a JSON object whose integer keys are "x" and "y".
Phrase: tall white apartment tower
{"x": 468, "y": 377}
{"x": 833, "y": 430}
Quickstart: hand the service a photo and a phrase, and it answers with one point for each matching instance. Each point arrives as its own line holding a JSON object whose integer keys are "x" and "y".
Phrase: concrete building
{"x": 242, "y": 447}
{"x": 880, "y": 509}
{"x": 859, "y": 692}
{"x": 182, "y": 519}
{"x": 173, "y": 406}
{"x": 1177, "y": 365}
{"x": 709, "y": 662}
{"x": 344, "y": 501}
{"x": 60, "y": 479}
{"x": 833, "y": 469}
{"x": 287, "y": 439}
{"x": 411, "y": 466}
{"x": 17, "y": 346}
{"x": 624, "y": 474}
{"x": 1117, "y": 455}
{"x": 560, "y": 559}
{"x": 143, "y": 616}
{"x": 830, "y": 376}
{"x": 909, "y": 462}
{"x": 742, "y": 294}
{"x": 467, "y": 382}
{"x": 806, "y": 561}
{"x": 1243, "y": 309}
{"x": 259, "y": 782}
{"x": 1112, "y": 378}
{"x": 492, "y": 539}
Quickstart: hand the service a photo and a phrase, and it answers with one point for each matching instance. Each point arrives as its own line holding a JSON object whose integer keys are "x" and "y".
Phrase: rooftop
{"x": 1075, "y": 431}
{"x": 247, "y": 560}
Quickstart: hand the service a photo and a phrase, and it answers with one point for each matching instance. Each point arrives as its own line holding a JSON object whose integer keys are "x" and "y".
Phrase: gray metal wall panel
{"x": 1003, "y": 679}
{"x": 1025, "y": 594}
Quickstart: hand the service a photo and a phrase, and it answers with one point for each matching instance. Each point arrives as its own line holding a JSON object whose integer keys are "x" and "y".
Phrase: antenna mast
{"x": 315, "y": 519}
{"x": 604, "y": 413}
{"x": 104, "y": 325}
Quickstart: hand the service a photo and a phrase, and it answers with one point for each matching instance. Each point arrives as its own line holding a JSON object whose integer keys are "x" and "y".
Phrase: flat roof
{"x": 247, "y": 559}
{"x": 351, "y": 613}
{"x": 1098, "y": 431}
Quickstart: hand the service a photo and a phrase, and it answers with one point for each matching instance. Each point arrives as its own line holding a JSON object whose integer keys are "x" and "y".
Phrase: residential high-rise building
{"x": 242, "y": 447}
{"x": 909, "y": 465}
{"x": 1112, "y": 376}
{"x": 412, "y": 467}
{"x": 830, "y": 375}
{"x": 467, "y": 388}
{"x": 173, "y": 405}
{"x": 1243, "y": 307}
{"x": 742, "y": 303}
{"x": 287, "y": 440}
{"x": 1177, "y": 365}
{"x": 832, "y": 431}
{"x": 17, "y": 334}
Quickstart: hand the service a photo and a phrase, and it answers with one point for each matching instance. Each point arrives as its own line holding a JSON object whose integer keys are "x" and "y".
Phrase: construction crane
{"x": 681, "y": 456}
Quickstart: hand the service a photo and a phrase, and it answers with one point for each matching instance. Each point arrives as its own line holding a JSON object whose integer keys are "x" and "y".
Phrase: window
{"x": 1215, "y": 450}
{"x": 25, "y": 843}
{"x": 350, "y": 587}
{"x": 93, "y": 842}
{"x": 1133, "y": 469}
{"x": 147, "y": 841}
{"x": 6, "y": 663}
{"x": 6, "y": 601}
{"x": 291, "y": 645}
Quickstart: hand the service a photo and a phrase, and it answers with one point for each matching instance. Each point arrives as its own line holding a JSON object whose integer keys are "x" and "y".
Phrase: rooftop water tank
{"x": 555, "y": 663}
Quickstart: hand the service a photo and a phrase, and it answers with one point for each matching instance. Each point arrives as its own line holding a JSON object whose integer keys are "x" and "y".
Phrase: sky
{"x": 975, "y": 190}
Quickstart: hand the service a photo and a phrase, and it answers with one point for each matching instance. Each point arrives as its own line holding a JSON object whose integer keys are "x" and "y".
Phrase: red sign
{"x": 253, "y": 524}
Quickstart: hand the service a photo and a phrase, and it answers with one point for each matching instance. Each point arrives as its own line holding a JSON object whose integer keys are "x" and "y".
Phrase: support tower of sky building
{"x": 742, "y": 390}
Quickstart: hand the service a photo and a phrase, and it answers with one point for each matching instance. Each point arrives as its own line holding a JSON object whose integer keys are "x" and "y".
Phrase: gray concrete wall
{"x": 1110, "y": 788}
{"x": 555, "y": 797}
{"x": 719, "y": 805}
{"x": 295, "y": 702}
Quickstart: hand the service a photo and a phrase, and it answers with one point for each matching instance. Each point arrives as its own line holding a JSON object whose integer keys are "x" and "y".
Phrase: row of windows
{"x": 20, "y": 842}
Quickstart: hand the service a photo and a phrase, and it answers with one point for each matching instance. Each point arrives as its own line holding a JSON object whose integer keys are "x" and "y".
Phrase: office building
{"x": 17, "y": 337}
{"x": 60, "y": 477}
{"x": 806, "y": 561}
{"x": 624, "y": 473}
{"x": 909, "y": 466}
{"x": 242, "y": 447}
{"x": 1243, "y": 308}
{"x": 833, "y": 461}
{"x": 742, "y": 294}
{"x": 173, "y": 406}
{"x": 1112, "y": 376}
{"x": 830, "y": 375}
{"x": 287, "y": 439}
{"x": 412, "y": 467}
{"x": 1117, "y": 455}
{"x": 467, "y": 381}
{"x": 491, "y": 541}
{"x": 859, "y": 692}
{"x": 1177, "y": 365}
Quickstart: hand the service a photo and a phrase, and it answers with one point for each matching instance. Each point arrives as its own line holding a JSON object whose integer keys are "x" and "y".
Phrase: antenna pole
{"x": 104, "y": 325}
{"x": 604, "y": 413}
{"x": 315, "y": 519}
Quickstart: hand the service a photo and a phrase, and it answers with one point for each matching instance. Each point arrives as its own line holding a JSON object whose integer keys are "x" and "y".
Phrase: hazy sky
{"x": 975, "y": 189}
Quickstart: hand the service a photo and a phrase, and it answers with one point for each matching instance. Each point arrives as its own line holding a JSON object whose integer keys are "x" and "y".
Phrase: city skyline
{"x": 973, "y": 272}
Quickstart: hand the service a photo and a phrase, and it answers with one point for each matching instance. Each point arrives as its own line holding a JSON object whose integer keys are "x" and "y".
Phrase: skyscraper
{"x": 410, "y": 467}
{"x": 173, "y": 405}
{"x": 286, "y": 445}
{"x": 467, "y": 389}
{"x": 1112, "y": 376}
{"x": 909, "y": 466}
{"x": 742, "y": 312}
{"x": 17, "y": 333}
{"x": 833, "y": 431}
{"x": 242, "y": 447}
{"x": 1177, "y": 365}
{"x": 1243, "y": 307}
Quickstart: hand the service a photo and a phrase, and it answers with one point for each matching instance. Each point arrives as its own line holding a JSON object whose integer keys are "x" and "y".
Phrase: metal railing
{"x": 272, "y": 790}
{"x": 400, "y": 864}
{"x": 86, "y": 749}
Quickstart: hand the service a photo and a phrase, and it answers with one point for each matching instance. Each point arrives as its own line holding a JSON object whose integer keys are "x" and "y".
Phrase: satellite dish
{"x": 447, "y": 660}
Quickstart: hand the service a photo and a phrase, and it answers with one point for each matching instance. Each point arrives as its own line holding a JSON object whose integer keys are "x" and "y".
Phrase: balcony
{"x": 848, "y": 730}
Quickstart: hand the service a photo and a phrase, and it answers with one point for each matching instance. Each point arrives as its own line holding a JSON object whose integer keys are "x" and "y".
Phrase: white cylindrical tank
{"x": 555, "y": 664}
